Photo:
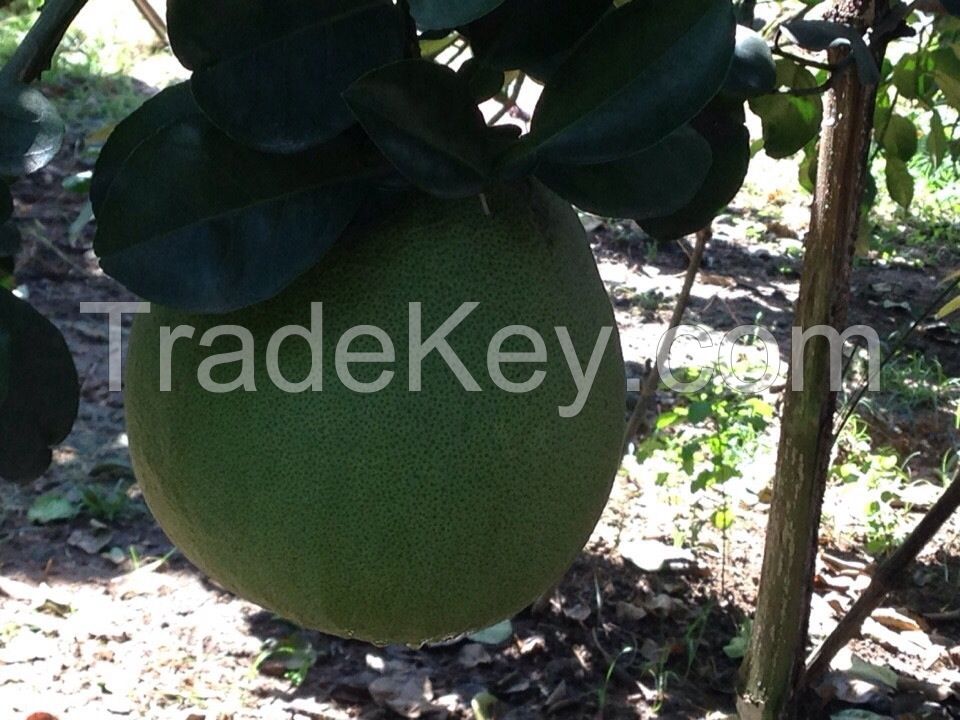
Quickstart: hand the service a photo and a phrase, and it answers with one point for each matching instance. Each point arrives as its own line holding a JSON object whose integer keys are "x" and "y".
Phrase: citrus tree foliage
{"x": 306, "y": 121}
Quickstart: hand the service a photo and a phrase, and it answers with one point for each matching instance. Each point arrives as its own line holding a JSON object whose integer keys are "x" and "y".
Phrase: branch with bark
{"x": 652, "y": 381}
{"x": 882, "y": 583}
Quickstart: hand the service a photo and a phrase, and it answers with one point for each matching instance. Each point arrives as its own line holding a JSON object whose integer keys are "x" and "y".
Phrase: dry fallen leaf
{"x": 473, "y": 655}
{"x": 627, "y": 612}
{"x": 890, "y": 618}
{"x": 407, "y": 695}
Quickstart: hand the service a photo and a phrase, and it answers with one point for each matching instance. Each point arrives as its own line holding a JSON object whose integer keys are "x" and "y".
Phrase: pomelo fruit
{"x": 394, "y": 516}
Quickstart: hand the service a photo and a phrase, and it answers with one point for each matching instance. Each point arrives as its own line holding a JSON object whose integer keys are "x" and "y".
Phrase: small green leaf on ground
{"x": 52, "y": 507}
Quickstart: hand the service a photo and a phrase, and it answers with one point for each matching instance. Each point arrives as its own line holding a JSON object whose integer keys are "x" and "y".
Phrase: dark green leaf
{"x": 753, "y": 71}
{"x": 642, "y": 72}
{"x": 423, "y": 117}
{"x": 283, "y": 94}
{"x": 193, "y": 221}
{"x": 899, "y": 137}
{"x": 196, "y": 29}
{"x": 484, "y": 82}
{"x": 952, "y": 6}
{"x": 818, "y": 35}
{"x": 900, "y": 183}
{"x": 41, "y": 396}
{"x": 31, "y": 131}
{"x": 169, "y": 107}
{"x": 824, "y": 35}
{"x": 730, "y": 141}
{"x": 531, "y": 35}
{"x": 789, "y": 122}
{"x": 208, "y": 32}
{"x": 443, "y": 14}
{"x": 653, "y": 183}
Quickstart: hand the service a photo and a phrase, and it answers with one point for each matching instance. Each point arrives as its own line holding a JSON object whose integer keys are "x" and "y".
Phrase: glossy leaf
{"x": 208, "y": 32}
{"x": 819, "y": 35}
{"x": 31, "y": 131}
{"x": 483, "y": 81}
{"x": 444, "y": 14}
{"x": 39, "y": 389}
{"x": 753, "y": 71}
{"x": 196, "y": 29}
{"x": 789, "y": 121}
{"x": 653, "y": 183}
{"x": 730, "y": 141}
{"x": 642, "y": 72}
{"x": 533, "y": 35}
{"x": 283, "y": 94}
{"x": 423, "y": 117}
{"x": 193, "y": 221}
{"x": 171, "y": 106}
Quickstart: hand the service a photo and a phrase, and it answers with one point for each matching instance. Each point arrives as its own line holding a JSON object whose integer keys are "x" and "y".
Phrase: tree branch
{"x": 882, "y": 583}
{"x": 653, "y": 377}
{"x": 35, "y": 54}
{"x": 153, "y": 18}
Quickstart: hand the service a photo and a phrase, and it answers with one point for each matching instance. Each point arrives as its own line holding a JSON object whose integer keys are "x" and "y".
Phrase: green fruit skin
{"x": 393, "y": 517}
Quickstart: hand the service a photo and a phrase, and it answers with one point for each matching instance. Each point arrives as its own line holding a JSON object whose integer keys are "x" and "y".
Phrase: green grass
{"x": 914, "y": 383}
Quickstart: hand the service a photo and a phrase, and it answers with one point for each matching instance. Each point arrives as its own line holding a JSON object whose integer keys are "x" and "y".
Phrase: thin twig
{"x": 652, "y": 381}
{"x": 35, "y": 53}
{"x": 151, "y": 15}
{"x": 882, "y": 583}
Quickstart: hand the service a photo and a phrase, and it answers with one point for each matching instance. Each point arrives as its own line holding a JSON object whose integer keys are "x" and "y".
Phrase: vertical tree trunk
{"x": 777, "y": 648}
